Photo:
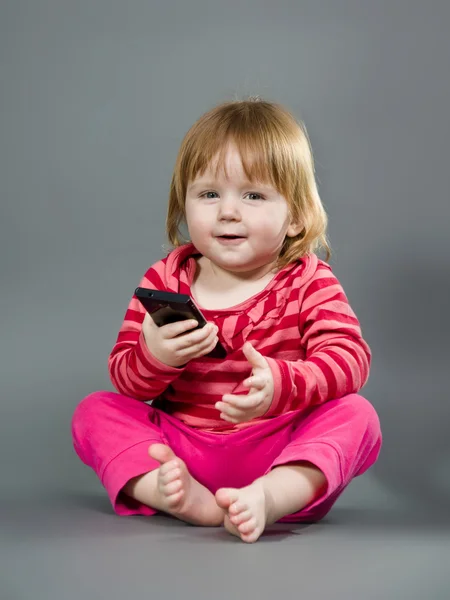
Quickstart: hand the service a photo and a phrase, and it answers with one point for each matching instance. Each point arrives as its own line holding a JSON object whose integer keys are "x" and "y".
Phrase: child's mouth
{"x": 230, "y": 239}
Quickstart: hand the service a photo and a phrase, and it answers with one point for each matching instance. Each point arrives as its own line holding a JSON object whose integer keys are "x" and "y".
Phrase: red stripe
{"x": 345, "y": 367}
{"x": 329, "y": 376}
{"x": 154, "y": 280}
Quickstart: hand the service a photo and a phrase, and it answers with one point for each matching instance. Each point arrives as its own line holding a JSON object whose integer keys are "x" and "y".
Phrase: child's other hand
{"x": 175, "y": 344}
{"x": 240, "y": 409}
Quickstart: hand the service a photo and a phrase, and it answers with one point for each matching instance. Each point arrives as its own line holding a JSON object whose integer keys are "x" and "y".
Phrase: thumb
{"x": 255, "y": 358}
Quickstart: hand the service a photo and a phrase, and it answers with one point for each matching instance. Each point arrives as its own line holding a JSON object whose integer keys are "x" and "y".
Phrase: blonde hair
{"x": 274, "y": 148}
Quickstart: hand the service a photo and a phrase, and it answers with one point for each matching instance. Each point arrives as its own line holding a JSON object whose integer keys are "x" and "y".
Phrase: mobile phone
{"x": 167, "y": 307}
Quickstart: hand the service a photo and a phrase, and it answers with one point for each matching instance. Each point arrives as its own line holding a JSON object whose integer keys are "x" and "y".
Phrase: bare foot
{"x": 179, "y": 494}
{"x": 247, "y": 510}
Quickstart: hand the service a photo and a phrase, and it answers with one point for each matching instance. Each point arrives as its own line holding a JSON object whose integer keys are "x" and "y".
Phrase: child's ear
{"x": 294, "y": 229}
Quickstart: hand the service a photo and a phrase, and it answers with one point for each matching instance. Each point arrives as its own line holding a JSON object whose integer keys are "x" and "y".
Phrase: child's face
{"x": 215, "y": 207}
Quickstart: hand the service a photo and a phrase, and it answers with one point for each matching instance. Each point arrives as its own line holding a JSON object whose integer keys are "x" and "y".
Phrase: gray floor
{"x": 74, "y": 546}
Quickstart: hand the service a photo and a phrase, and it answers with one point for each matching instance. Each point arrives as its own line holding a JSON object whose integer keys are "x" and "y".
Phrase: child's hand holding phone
{"x": 168, "y": 325}
{"x": 175, "y": 344}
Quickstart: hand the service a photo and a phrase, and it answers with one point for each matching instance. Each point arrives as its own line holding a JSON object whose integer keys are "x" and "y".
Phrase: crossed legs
{"x": 244, "y": 512}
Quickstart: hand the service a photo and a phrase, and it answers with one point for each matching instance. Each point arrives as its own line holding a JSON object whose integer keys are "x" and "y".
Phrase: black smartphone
{"x": 168, "y": 307}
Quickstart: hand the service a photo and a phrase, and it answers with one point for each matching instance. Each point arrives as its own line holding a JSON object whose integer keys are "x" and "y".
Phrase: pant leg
{"x": 111, "y": 434}
{"x": 343, "y": 439}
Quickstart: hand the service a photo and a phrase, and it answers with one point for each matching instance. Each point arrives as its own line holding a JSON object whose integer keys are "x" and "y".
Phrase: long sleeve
{"x": 133, "y": 370}
{"x": 337, "y": 359}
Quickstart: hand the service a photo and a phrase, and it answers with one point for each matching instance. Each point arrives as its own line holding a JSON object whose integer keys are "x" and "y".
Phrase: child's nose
{"x": 229, "y": 205}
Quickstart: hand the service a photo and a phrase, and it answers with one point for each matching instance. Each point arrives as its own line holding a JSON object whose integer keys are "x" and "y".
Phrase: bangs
{"x": 262, "y": 140}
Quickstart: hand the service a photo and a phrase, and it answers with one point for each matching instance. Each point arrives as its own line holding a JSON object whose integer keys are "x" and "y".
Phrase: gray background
{"x": 96, "y": 97}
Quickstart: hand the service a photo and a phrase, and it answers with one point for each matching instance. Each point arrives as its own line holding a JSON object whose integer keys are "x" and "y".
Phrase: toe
{"x": 226, "y": 496}
{"x": 161, "y": 453}
{"x": 175, "y": 499}
{"x": 173, "y": 487}
{"x": 240, "y": 517}
{"x": 230, "y": 527}
{"x": 248, "y": 526}
{"x": 237, "y": 507}
{"x": 170, "y": 476}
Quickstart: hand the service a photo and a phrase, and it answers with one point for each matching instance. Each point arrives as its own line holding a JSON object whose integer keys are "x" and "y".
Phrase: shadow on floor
{"x": 76, "y": 515}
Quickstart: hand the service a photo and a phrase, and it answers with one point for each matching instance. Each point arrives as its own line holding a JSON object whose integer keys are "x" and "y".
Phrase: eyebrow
{"x": 201, "y": 184}
{"x": 213, "y": 184}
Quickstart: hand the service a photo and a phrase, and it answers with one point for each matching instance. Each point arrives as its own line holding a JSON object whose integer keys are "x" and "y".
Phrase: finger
{"x": 243, "y": 402}
{"x": 229, "y": 410}
{"x": 198, "y": 342}
{"x": 225, "y": 417}
{"x": 255, "y": 382}
{"x": 251, "y": 400}
{"x": 193, "y": 338}
{"x": 172, "y": 330}
{"x": 208, "y": 331}
{"x": 255, "y": 358}
{"x": 232, "y": 419}
{"x": 207, "y": 344}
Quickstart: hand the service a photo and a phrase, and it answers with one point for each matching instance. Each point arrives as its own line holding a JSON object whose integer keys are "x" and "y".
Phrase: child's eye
{"x": 255, "y": 194}
{"x": 206, "y": 193}
{"x": 249, "y": 194}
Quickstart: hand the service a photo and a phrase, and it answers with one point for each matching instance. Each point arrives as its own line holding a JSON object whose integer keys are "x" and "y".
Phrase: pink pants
{"x": 112, "y": 434}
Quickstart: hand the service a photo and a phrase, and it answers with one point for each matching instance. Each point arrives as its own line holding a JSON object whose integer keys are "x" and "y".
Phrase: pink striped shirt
{"x": 302, "y": 323}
